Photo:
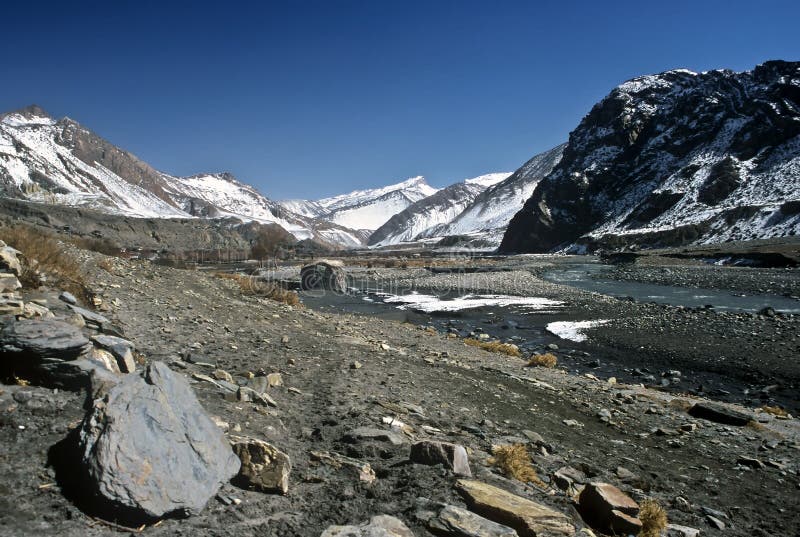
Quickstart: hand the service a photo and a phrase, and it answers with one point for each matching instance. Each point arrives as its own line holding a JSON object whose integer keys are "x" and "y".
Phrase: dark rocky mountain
{"x": 672, "y": 159}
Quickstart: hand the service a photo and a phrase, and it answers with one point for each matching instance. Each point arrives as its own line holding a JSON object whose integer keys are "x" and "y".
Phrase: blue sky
{"x": 309, "y": 99}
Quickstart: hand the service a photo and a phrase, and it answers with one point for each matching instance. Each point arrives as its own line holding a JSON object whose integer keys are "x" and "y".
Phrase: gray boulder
{"x": 378, "y": 526}
{"x": 122, "y": 349}
{"x": 9, "y": 260}
{"x": 324, "y": 275}
{"x": 149, "y": 450}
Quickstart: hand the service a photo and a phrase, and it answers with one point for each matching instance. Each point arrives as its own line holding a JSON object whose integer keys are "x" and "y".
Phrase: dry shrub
{"x": 547, "y": 359}
{"x": 45, "y": 255}
{"x": 513, "y": 460}
{"x": 255, "y": 287}
{"x": 775, "y": 411}
{"x": 653, "y": 518}
{"x": 494, "y": 346}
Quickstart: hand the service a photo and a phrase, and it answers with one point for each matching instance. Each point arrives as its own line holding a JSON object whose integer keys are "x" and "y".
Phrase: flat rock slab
{"x": 41, "y": 340}
{"x": 378, "y": 526}
{"x": 90, "y": 316}
{"x": 149, "y": 450}
{"x": 720, "y": 414}
{"x": 444, "y": 519}
{"x": 528, "y": 518}
{"x": 264, "y": 467}
{"x": 379, "y": 435}
{"x": 452, "y": 456}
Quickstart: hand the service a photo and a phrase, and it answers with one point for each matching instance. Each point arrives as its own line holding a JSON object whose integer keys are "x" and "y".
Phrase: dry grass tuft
{"x": 45, "y": 260}
{"x": 547, "y": 359}
{"x": 515, "y": 462}
{"x": 255, "y": 287}
{"x": 494, "y": 346}
{"x": 653, "y": 518}
{"x": 775, "y": 411}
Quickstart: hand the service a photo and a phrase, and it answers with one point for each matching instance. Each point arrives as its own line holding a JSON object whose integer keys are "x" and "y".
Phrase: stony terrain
{"x": 342, "y": 377}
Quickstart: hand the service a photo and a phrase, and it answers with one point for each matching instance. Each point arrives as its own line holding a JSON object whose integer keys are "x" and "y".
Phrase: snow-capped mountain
{"x": 437, "y": 209}
{"x": 675, "y": 158}
{"x": 365, "y": 209}
{"x": 485, "y": 219}
{"x": 61, "y": 162}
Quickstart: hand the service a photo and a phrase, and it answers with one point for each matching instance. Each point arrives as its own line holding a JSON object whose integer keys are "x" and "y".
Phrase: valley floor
{"x": 637, "y": 438}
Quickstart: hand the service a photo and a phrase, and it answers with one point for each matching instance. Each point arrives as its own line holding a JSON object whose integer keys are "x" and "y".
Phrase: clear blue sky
{"x": 308, "y": 99}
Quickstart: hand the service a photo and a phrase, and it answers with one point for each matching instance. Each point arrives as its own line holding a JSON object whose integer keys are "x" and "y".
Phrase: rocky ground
{"x": 342, "y": 377}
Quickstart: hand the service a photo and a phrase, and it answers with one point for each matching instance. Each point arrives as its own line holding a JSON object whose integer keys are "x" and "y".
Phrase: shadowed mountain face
{"x": 671, "y": 159}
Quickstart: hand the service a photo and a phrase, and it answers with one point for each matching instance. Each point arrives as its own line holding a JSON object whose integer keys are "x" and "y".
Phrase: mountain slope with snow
{"x": 672, "y": 159}
{"x": 439, "y": 208}
{"x": 486, "y": 217}
{"x": 60, "y": 162}
{"x": 365, "y": 209}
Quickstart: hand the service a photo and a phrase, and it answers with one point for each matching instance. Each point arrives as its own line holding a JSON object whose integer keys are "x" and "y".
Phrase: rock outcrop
{"x": 673, "y": 159}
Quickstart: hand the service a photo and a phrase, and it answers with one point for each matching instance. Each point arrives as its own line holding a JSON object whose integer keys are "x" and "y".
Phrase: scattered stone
{"x": 572, "y": 423}
{"x": 122, "y": 349}
{"x": 221, "y": 374}
{"x": 162, "y": 456}
{"x": 11, "y": 306}
{"x": 248, "y": 395}
{"x": 90, "y": 316}
{"x": 275, "y": 379}
{"x": 264, "y": 467}
{"x": 9, "y": 283}
{"x": 9, "y": 260}
{"x": 378, "y": 526}
{"x": 68, "y": 297}
{"x": 566, "y": 478}
{"x": 368, "y": 433}
{"x": 528, "y": 518}
{"x": 355, "y": 365}
{"x": 443, "y": 519}
{"x": 452, "y": 456}
{"x": 720, "y": 413}
{"x": 715, "y": 522}
{"x": 676, "y": 530}
{"x": 31, "y": 310}
{"x": 750, "y": 462}
{"x": 361, "y": 470}
{"x": 606, "y": 508}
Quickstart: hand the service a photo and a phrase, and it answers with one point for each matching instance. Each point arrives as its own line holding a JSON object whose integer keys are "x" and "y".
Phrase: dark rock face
{"x": 149, "y": 450}
{"x": 674, "y": 149}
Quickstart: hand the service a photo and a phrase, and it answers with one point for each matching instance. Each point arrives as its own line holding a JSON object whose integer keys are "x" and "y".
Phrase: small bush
{"x": 255, "y": 287}
{"x": 45, "y": 256}
{"x": 513, "y": 460}
{"x": 653, "y": 518}
{"x": 494, "y": 346}
{"x": 547, "y": 359}
{"x": 775, "y": 411}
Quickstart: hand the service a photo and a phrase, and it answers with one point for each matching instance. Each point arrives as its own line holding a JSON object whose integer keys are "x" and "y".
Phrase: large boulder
{"x": 606, "y": 508}
{"x": 324, "y": 275}
{"x": 149, "y": 450}
{"x": 9, "y": 260}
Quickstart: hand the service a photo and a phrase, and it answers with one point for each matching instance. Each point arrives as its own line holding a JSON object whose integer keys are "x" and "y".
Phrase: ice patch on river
{"x": 573, "y": 330}
{"x": 430, "y": 303}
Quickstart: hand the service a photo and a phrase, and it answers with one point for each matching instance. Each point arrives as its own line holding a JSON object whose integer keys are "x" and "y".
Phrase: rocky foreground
{"x": 218, "y": 413}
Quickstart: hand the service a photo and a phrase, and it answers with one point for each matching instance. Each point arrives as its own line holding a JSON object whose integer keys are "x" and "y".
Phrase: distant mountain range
{"x": 663, "y": 160}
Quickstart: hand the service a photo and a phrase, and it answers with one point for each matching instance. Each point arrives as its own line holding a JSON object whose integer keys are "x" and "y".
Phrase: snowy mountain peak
{"x": 30, "y": 115}
{"x": 489, "y": 179}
